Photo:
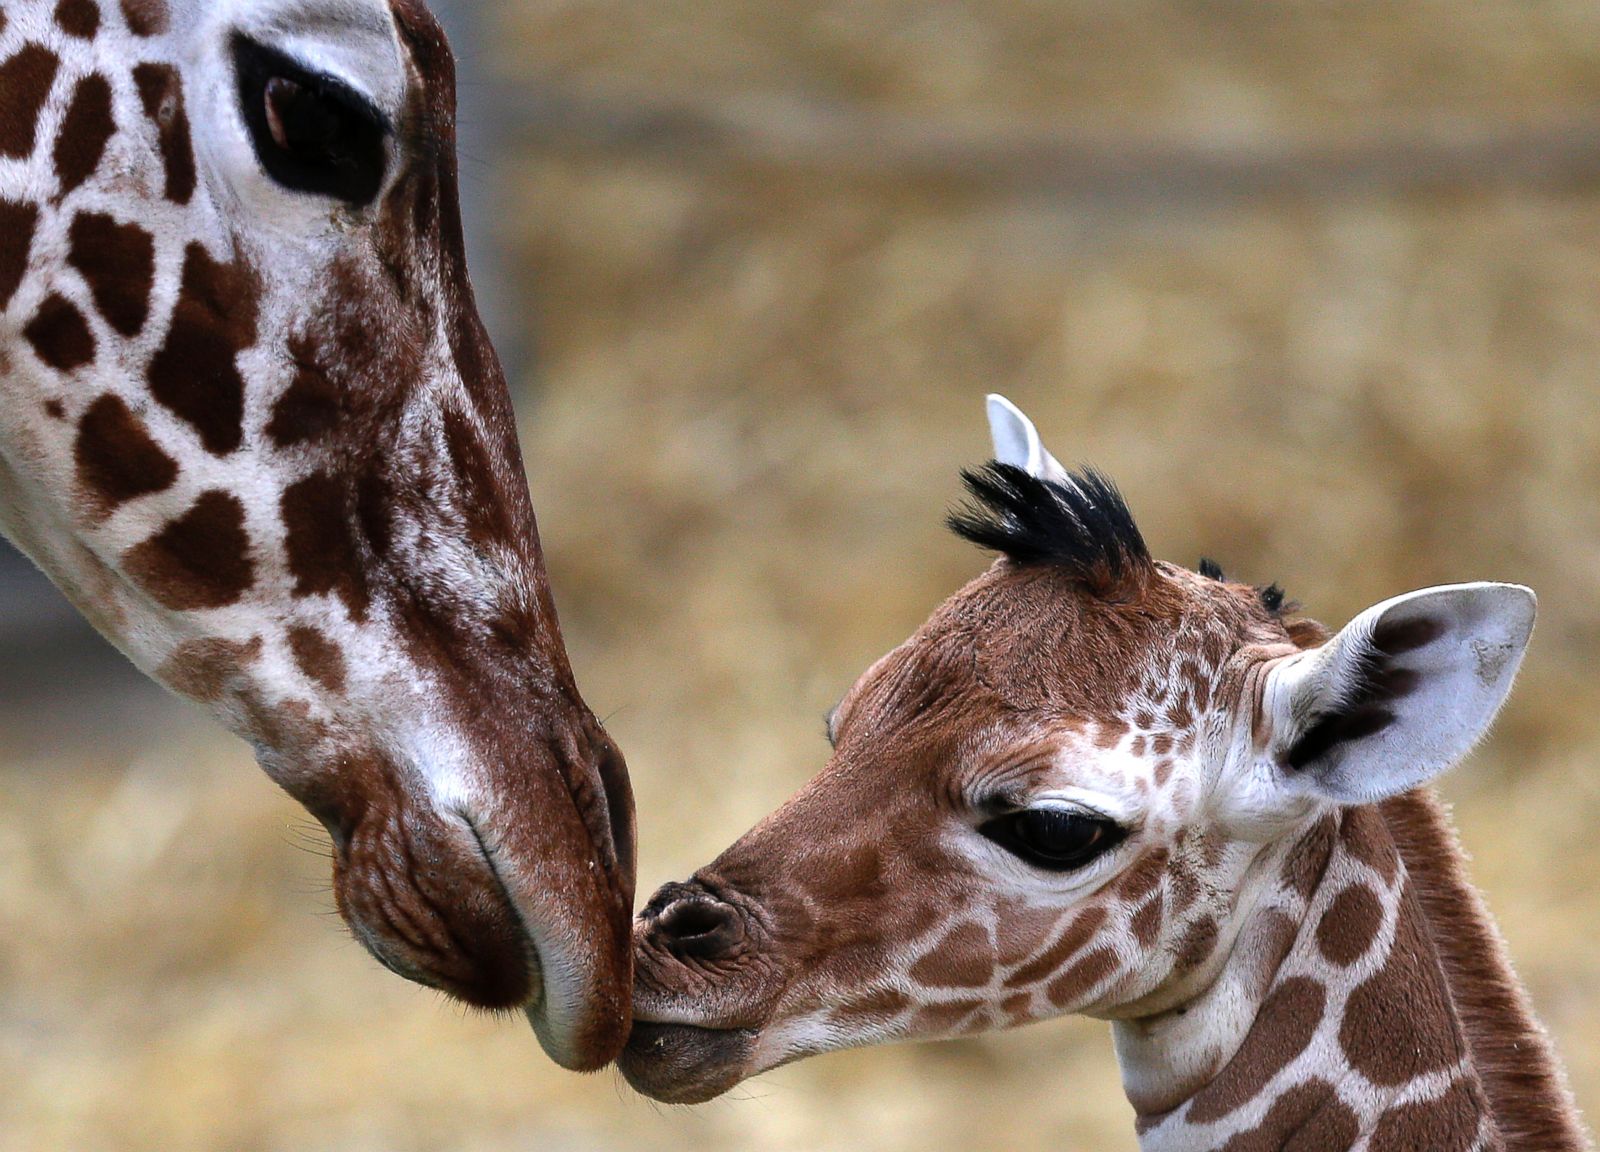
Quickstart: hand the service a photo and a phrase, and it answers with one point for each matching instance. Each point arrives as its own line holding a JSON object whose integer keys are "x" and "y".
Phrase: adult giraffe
{"x": 251, "y": 425}
{"x": 1097, "y": 783}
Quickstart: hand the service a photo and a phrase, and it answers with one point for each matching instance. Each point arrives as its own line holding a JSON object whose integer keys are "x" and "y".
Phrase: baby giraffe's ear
{"x": 1399, "y": 695}
{"x": 1016, "y": 442}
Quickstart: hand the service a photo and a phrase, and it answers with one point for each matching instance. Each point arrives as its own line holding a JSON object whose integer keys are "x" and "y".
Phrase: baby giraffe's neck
{"x": 1367, "y": 1003}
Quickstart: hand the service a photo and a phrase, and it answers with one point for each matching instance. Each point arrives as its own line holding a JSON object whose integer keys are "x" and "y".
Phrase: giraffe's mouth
{"x": 477, "y": 905}
{"x": 685, "y": 1063}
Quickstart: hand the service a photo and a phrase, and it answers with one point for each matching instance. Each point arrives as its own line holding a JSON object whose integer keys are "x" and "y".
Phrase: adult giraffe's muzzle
{"x": 515, "y": 897}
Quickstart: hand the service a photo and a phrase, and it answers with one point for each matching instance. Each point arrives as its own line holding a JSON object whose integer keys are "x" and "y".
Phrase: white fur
{"x": 1016, "y": 441}
{"x": 1463, "y": 677}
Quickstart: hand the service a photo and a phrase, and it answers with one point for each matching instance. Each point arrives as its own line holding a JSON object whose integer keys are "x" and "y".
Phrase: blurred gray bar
{"x": 843, "y": 142}
{"x": 482, "y": 131}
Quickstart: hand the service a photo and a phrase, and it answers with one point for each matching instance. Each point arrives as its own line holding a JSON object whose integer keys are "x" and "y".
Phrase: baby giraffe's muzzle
{"x": 696, "y": 1022}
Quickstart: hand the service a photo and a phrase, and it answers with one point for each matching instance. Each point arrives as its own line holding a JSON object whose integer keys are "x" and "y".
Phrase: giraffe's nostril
{"x": 700, "y": 927}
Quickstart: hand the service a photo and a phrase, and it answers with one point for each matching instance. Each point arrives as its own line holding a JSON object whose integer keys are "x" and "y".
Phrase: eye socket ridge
{"x": 1054, "y": 838}
{"x": 311, "y": 132}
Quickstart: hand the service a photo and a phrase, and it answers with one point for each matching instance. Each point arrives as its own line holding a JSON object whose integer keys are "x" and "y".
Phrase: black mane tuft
{"x": 1272, "y": 599}
{"x": 1083, "y": 525}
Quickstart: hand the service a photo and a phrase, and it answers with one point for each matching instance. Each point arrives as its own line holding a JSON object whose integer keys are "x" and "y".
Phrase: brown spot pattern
{"x": 963, "y": 958}
{"x": 25, "y": 82}
{"x": 1350, "y": 925}
{"x": 1184, "y": 886}
{"x": 161, "y": 94}
{"x": 1087, "y": 923}
{"x": 1309, "y": 1117}
{"x": 324, "y": 555}
{"x": 1021, "y": 930}
{"x": 877, "y": 1005}
{"x": 284, "y": 725}
{"x": 311, "y": 406}
{"x": 1197, "y": 944}
{"x": 1446, "y": 1124}
{"x": 116, "y": 458}
{"x": 951, "y": 1017}
{"x": 80, "y": 18}
{"x": 195, "y": 373}
{"x": 1146, "y": 922}
{"x": 118, "y": 263}
{"x": 1282, "y": 1029}
{"x": 318, "y": 657}
{"x": 1308, "y": 859}
{"x": 1365, "y": 837}
{"x": 1072, "y": 985}
{"x": 60, "y": 335}
{"x": 1398, "y": 1024}
{"x": 200, "y": 560}
{"x": 203, "y": 669}
{"x": 85, "y": 130}
{"x": 1141, "y": 879}
{"x": 17, "y": 224}
{"x": 1274, "y": 934}
{"x": 145, "y": 17}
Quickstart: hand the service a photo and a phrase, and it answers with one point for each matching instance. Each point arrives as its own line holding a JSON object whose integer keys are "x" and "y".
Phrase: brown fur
{"x": 1309, "y": 1117}
{"x": 161, "y": 94}
{"x": 195, "y": 374}
{"x": 200, "y": 560}
{"x": 145, "y": 17}
{"x": 1526, "y": 1090}
{"x": 118, "y": 262}
{"x": 80, "y": 18}
{"x": 85, "y": 131}
{"x": 323, "y": 552}
{"x": 60, "y": 335}
{"x": 17, "y": 225}
{"x": 387, "y": 492}
{"x": 116, "y": 459}
{"x": 25, "y": 81}
{"x": 205, "y": 669}
{"x": 1282, "y": 1030}
{"x": 318, "y": 657}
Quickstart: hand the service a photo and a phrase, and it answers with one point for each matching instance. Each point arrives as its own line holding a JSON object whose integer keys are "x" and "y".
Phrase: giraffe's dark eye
{"x": 1056, "y": 839}
{"x": 311, "y": 132}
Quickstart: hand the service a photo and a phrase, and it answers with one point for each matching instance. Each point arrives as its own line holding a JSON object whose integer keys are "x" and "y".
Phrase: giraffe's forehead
{"x": 1032, "y": 643}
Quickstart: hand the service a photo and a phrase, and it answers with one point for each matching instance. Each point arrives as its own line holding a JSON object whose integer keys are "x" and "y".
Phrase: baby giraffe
{"x": 1095, "y": 782}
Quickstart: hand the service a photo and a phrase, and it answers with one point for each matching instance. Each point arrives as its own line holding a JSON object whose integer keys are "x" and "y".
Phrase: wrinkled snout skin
{"x": 515, "y": 898}
{"x": 736, "y": 973}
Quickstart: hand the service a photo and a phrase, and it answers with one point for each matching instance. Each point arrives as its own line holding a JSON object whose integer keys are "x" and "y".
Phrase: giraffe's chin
{"x": 684, "y": 1064}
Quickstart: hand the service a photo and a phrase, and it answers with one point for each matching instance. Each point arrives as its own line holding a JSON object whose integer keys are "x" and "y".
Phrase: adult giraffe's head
{"x": 251, "y": 424}
{"x": 1091, "y": 782}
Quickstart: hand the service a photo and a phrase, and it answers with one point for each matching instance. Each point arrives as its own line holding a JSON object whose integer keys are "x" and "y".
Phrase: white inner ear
{"x": 1401, "y": 694}
{"x": 1016, "y": 441}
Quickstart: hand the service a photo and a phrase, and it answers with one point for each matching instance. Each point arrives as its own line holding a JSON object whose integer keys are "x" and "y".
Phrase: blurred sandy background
{"x": 760, "y": 363}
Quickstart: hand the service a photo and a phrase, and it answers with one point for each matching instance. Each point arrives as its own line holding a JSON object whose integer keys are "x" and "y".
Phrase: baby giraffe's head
{"x": 1064, "y": 794}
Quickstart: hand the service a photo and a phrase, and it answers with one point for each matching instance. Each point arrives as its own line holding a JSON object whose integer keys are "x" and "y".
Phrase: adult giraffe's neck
{"x": 1367, "y": 1003}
